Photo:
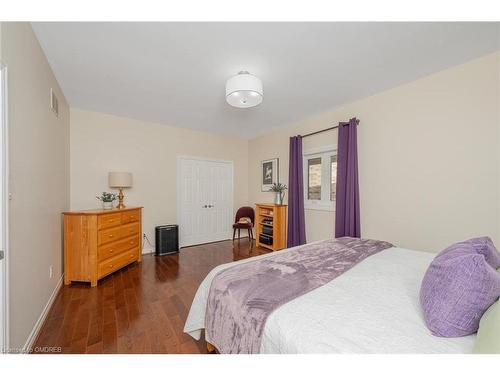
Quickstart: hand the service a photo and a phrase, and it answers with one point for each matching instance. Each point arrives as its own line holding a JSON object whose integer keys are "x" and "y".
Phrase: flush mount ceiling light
{"x": 244, "y": 90}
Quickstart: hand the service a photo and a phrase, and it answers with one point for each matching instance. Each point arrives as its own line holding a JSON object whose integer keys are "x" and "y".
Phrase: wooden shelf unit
{"x": 277, "y": 214}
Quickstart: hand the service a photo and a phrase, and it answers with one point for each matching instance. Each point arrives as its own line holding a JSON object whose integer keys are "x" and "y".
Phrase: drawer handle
{"x": 131, "y": 216}
{"x": 110, "y": 235}
{"x": 110, "y": 220}
{"x": 131, "y": 242}
{"x": 110, "y": 266}
{"x": 111, "y": 250}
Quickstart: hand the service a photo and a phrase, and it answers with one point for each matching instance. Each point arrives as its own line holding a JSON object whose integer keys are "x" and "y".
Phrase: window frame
{"x": 325, "y": 153}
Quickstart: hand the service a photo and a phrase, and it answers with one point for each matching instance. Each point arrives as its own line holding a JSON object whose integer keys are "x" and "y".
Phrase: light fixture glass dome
{"x": 244, "y": 90}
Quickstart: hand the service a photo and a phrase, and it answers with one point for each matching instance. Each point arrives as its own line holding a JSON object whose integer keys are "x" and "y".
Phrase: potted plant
{"x": 279, "y": 189}
{"x": 107, "y": 200}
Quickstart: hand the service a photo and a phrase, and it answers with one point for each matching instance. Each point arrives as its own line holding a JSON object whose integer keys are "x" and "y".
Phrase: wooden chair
{"x": 244, "y": 212}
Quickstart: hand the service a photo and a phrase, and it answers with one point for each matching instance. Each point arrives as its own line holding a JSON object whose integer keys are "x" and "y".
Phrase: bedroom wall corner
{"x": 429, "y": 158}
{"x": 102, "y": 142}
{"x": 319, "y": 224}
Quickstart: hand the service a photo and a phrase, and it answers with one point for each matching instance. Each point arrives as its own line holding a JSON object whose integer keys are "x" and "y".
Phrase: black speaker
{"x": 267, "y": 230}
{"x": 167, "y": 239}
{"x": 265, "y": 239}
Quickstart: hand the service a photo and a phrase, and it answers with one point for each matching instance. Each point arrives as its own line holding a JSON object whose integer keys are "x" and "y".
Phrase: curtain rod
{"x": 320, "y": 131}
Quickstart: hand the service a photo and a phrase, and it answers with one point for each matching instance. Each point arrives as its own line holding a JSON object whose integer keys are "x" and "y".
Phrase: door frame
{"x": 178, "y": 176}
{"x": 4, "y": 209}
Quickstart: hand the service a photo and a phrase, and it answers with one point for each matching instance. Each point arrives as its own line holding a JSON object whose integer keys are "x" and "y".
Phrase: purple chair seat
{"x": 242, "y": 225}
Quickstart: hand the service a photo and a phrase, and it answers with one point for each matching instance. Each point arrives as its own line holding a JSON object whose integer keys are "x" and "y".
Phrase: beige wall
{"x": 39, "y": 178}
{"x": 428, "y": 158}
{"x": 101, "y": 143}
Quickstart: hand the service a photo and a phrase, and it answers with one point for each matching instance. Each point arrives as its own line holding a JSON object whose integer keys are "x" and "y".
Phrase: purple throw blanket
{"x": 242, "y": 297}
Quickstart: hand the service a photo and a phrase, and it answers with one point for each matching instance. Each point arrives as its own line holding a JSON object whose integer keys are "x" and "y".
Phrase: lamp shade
{"x": 120, "y": 179}
{"x": 244, "y": 90}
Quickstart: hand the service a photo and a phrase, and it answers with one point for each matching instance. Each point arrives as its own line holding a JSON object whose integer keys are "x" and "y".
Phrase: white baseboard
{"x": 39, "y": 323}
{"x": 148, "y": 250}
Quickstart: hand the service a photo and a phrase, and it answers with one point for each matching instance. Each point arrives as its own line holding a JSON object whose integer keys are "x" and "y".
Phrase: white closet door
{"x": 221, "y": 200}
{"x": 205, "y": 203}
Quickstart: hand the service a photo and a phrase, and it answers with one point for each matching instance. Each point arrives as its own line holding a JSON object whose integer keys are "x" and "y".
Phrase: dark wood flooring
{"x": 139, "y": 309}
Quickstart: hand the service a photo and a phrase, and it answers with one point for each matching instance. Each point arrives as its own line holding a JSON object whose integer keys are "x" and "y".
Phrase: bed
{"x": 371, "y": 308}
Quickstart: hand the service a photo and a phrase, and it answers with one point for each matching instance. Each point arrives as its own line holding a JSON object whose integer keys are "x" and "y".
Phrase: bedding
{"x": 488, "y": 335}
{"x": 372, "y": 308}
{"x": 480, "y": 245}
{"x": 242, "y": 297}
{"x": 457, "y": 289}
{"x": 485, "y": 246}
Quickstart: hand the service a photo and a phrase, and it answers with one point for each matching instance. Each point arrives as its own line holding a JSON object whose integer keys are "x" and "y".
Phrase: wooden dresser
{"x": 99, "y": 242}
{"x": 270, "y": 222}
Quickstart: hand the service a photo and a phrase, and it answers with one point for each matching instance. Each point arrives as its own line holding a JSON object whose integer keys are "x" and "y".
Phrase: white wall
{"x": 428, "y": 158}
{"x": 101, "y": 143}
{"x": 39, "y": 178}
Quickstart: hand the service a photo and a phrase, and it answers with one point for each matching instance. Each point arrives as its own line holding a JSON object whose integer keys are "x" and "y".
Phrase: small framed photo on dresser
{"x": 270, "y": 173}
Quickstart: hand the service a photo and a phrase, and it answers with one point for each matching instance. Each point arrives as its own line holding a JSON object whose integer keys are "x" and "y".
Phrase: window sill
{"x": 319, "y": 207}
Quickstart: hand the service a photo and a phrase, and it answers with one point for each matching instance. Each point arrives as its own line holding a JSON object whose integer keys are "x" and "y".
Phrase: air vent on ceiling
{"x": 54, "y": 103}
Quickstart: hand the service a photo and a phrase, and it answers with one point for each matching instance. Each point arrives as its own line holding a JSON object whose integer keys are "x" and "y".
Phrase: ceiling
{"x": 175, "y": 73}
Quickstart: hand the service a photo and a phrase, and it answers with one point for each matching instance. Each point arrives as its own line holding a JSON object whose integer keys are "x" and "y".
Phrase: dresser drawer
{"x": 109, "y": 235}
{"x": 109, "y": 220}
{"x": 111, "y": 265}
{"x": 130, "y": 216}
{"x": 116, "y": 248}
{"x": 128, "y": 230}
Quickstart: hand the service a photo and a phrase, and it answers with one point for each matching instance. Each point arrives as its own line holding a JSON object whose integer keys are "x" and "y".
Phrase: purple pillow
{"x": 457, "y": 289}
{"x": 482, "y": 245}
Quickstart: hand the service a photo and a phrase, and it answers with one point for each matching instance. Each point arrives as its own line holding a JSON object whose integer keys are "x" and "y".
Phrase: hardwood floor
{"x": 139, "y": 309}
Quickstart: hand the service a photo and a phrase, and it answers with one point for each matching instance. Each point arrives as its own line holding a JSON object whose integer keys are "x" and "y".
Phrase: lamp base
{"x": 120, "y": 199}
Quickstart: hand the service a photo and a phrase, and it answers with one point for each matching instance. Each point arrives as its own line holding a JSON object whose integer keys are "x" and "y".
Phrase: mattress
{"x": 372, "y": 308}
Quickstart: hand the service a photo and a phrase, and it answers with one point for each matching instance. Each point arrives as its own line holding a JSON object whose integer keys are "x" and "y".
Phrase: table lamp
{"x": 120, "y": 180}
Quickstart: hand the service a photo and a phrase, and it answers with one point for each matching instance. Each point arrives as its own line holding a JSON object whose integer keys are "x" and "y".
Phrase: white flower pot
{"x": 278, "y": 198}
{"x": 107, "y": 205}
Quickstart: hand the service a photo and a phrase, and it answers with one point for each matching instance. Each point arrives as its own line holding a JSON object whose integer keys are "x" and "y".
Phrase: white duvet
{"x": 372, "y": 308}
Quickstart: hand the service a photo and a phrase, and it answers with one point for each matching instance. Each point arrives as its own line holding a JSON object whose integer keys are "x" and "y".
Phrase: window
{"x": 333, "y": 177}
{"x": 314, "y": 178}
{"x": 320, "y": 177}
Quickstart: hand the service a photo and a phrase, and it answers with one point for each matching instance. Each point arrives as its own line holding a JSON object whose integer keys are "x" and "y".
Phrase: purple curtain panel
{"x": 296, "y": 219}
{"x": 347, "y": 204}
